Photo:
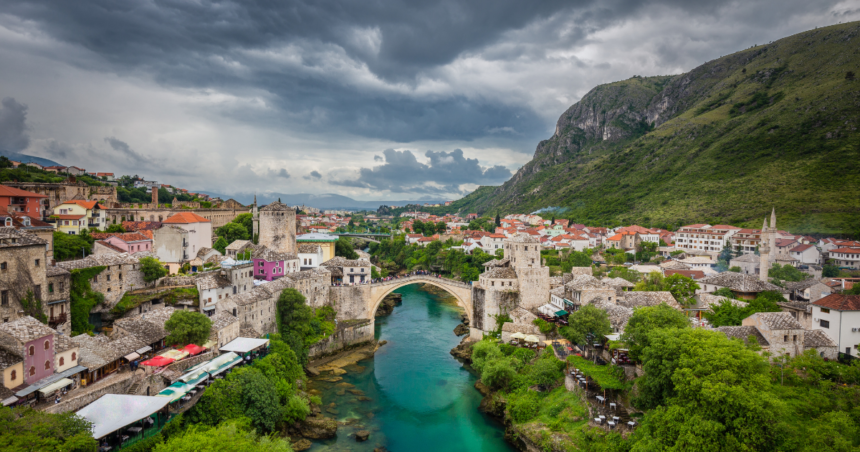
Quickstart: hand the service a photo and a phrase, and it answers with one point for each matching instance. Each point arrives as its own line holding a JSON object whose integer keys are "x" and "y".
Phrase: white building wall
{"x": 842, "y": 326}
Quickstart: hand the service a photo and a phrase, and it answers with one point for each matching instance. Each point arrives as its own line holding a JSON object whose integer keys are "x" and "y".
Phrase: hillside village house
{"x": 628, "y": 241}
{"x": 805, "y": 254}
{"x": 325, "y": 241}
{"x": 780, "y": 334}
{"x": 745, "y": 241}
{"x": 748, "y": 263}
{"x": 74, "y": 216}
{"x": 270, "y": 265}
{"x": 838, "y": 316}
{"x": 199, "y": 230}
{"x": 22, "y": 202}
{"x": 129, "y": 242}
{"x": 310, "y": 255}
{"x": 745, "y": 287}
{"x": 171, "y": 246}
{"x": 704, "y": 237}
{"x": 846, "y": 257}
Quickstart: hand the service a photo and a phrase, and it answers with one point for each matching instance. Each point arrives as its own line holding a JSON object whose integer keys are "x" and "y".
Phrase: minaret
{"x": 255, "y": 219}
{"x": 764, "y": 251}
{"x": 773, "y": 219}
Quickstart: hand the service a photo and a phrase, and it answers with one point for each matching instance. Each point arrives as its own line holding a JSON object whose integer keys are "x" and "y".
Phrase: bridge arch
{"x": 462, "y": 292}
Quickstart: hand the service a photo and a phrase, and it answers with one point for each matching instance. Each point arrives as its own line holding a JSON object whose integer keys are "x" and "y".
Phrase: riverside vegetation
{"x": 773, "y": 125}
{"x": 700, "y": 391}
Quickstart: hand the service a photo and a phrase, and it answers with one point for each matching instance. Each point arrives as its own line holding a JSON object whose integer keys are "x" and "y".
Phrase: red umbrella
{"x": 193, "y": 349}
{"x": 158, "y": 361}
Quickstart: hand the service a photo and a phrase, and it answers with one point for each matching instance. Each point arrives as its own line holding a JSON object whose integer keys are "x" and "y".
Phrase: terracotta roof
{"x": 800, "y": 248}
{"x": 85, "y": 204}
{"x": 18, "y": 193}
{"x": 137, "y": 226}
{"x": 739, "y": 282}
{"x": 692, "y": 274}
{"x": 69, "y": 217}
{"x": 743, "y": 333}
{"x": 110, "y": 246}
{"x": 185, "y": 218}
{"x": 846, "y": 250}
{"x": 817, "y": 338}
{"x": 785, "y": 242}
{"x": 840, "y": 302}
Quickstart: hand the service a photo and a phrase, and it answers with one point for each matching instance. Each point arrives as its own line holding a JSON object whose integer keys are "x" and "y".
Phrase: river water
{"x": 412, "y": 396}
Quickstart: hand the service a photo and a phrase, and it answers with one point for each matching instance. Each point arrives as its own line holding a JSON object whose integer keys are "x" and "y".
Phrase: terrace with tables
{"x": 602, "y": 386}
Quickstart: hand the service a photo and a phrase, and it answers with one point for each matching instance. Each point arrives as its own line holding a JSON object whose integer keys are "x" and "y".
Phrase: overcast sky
{"x": 377, "y": 100}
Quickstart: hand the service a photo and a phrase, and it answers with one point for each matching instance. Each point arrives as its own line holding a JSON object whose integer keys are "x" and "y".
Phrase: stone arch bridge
{"x": 461, "y": 291}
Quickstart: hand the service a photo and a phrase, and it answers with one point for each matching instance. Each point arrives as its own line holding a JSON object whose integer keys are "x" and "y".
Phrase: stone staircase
{"x": 132, "y": 390}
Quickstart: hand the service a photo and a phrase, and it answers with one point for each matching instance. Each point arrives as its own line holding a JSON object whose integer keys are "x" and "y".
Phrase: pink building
{"x": 34, "y": 341}
{"x": 131, "y": 242}
{"x": 271, "y": 265}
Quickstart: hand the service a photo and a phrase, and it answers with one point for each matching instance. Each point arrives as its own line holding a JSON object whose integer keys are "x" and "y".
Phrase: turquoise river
{"x": 413, "y": 396}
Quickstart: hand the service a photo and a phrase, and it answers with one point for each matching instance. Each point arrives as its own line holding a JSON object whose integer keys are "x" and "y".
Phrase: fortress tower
{"x": 523, "y": 252}
{"x": 278, "y": 227}
{"x": 255, "y": 219}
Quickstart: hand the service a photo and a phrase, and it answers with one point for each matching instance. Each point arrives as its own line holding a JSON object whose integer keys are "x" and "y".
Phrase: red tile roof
{"x": 784, "y": 242}
{"x": 136, "y": 226}
{"x": 108, "y": 245}
{"x": 840, "y": 302}
{"x": 18, "y": 193}
{"x": 694, "y": 274}
{"x": 85, "y": 204}
{"x": 69, "y": 217}
{"x": 185, "y": 218}
{"x": 846, "y": 250}
{"x": 800, "y": 248}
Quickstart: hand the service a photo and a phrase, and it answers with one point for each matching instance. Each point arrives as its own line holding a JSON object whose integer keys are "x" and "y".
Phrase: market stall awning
{"x": 195, "y": 377}
{"x": 193, "y": 349}
{"x": 143, "y": 350}
{"x": 158, "y": 361}
{"x": 49, "y": 380}
{"x": 209, "y": 344}
{"x": 131, "y": 356}
{"x": 560, "y": 313}
{"x": 226, "y": 364}
{"x": 175, "y": 355}
{"x": 54, "y": 386}
{"x": 532, "y": 338}
{"x": 244, "y": 345}
{"x": 9, "y": 401}
{"x": 518, "y": 335}
{"x": 113, "y": 412}
{"x": 175, "y": 391}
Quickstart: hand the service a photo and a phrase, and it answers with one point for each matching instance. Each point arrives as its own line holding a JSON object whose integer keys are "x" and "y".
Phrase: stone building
{"x": 218, "y": 216}
{"x": 745, "y": 287}
{"x": 22, "y": 271}
{"x": 278, "y": 228}
{"x": 58, "y": 193}
{"x": 782, "y": 335}
{"x": 225, "y": 328}
{"x": 270, "y": 264}
{"x": 348, "y": 271}
{"x": 121, "y": 274}
{"x": 171, "y": 246}
{"x": 56, "y": 301}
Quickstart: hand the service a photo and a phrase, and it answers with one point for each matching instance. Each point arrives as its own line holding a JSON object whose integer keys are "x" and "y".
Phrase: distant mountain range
{"x": 24, "y": 158}
{"x": 771, "y": 126}
{"x": 324, "y": 201}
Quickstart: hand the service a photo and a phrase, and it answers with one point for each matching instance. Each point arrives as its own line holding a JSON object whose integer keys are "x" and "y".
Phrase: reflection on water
{"x": 413, "y": 395}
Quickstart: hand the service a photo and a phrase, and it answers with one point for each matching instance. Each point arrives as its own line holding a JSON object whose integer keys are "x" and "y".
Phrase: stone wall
{"x": 64, "y": 191}
{"x": 534, "y": 286}
{"x": 347, "y": 334}
{"x": 351, "y": 302}
{"x": 75, "y": 404}
{"x": 315, "y": 288}
{"x": 218, "y": 217}
{"x": 278, "y": 230}
{"x": 180, "y": 366}
{"x": 153, "y": 383}
{"x": 20, "y": 276}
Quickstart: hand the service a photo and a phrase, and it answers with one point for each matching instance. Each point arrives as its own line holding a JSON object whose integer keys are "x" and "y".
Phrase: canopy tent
{"x": 158, "y": 361}
{"x": 219, "y": 364}
{"x": 209, "y": 344}
{"x": 114, "y": 411}
{"x": 193, "y": 349}
{"x": 175, "y": 355}
{"x": 175, "y": 391}
{"x": 244, "y": 345}
{"x": 131, "y": 356}
{"x": 54, "y": 386}
{"x": 194, "y": 378}
{"x": 518, "y": 335}
{"x": 143, "y": 350}
{"x": 532, "y": 338}
{"x": 560, "y": 313}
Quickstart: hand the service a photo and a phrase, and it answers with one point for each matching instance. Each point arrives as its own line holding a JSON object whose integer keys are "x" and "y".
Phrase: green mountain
{"x": 770, "y": 126}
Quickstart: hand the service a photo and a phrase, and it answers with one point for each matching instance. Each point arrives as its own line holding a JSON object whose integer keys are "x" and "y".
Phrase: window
{"x": 62, "y": 286}
{"x": 4, "y": 266}
{"x": 824, "y": 324}
{"x": 37, "y": 262}
{"x": 47, "y": 345}
{"x": 108, "y": 277}
{"x": 825, "y": 311}
{"x": 785, "y": 338}
{"x": 47, "y": 365}
{"x": 50, "y": 287}
{"x": 74, "y": 356}
{"x": 13, "y": 375}
{"x": 32, "y": 370}
{"x": 4, "y": 298}
{"x": 794, "y": 338}
{"x": 32, "y": 350}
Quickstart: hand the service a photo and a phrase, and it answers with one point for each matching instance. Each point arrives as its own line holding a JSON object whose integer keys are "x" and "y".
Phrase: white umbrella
{"x": 532, "y": 338}
{"x": 518, "y": 335}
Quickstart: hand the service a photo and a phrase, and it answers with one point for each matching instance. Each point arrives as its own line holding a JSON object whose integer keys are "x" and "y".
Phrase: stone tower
{"x": 523, "y": 252}
{"x": 767, "y": 246}
{"x": 278, "y": 227}
{"x": 155, "y": 196}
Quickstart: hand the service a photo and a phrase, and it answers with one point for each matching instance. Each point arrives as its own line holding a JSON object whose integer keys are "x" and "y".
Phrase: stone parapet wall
{"x": 75, "y": 404}
{"x": 351, "y": 302}
{"x": 347, "y": 334}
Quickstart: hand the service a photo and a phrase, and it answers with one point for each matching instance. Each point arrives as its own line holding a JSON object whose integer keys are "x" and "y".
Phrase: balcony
{"x": 57, "y": 320}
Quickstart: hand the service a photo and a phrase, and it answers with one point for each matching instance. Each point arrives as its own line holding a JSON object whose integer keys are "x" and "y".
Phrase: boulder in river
{"x": 388, "y": 303}
{"x": 463, "y": 351}
{"x": 317, "y": 427}
{"x": 302, "y": 444}
{"x": 461, "y": 329}
{"x": 362, "y": 435}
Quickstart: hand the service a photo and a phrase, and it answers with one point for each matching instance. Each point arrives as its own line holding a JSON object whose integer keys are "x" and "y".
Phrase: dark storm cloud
{"x": 294, "y": 50}
{"x": 402, "y": 172}
{"x": 58, "y": 149}
{"x": 13, "y": 126}
{"x": 283, "y": 174}
{"x": 314, "y": 175}
{"x": 123, "y": 148}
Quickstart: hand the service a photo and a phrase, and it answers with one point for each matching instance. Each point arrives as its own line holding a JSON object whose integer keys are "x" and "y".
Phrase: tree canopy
{"x": 344, "y": 248}
{"x": 647, "y": 319}
{"x": 26, "y": 429}
{"x": 152, "y": 269}
{"x": 187, "y": 327}
{"x": 587, "y": 320}
{"x": 232, "y": 232}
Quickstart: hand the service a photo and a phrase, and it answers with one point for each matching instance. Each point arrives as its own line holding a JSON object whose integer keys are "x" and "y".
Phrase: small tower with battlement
{"x": 255, "y": 219}
{"x": 278, "y": 227}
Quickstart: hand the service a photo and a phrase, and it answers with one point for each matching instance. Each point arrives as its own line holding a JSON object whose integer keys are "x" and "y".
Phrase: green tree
{"x": 498, "y": 220}
{"x": 343, "y": 248}
{"x": 498, "y": 372}
{"x": 115, "y": 228}
{"x": 221, "y": 245}
{"x": 152, "y": 269}
{"x": 69, "y": 247}
{"x": 187, "y": 327}
{"x": 587, "y": 320}
{"x": 735, "y": 269}
{"x": 26, "y": 429}
{"x": 647, "y": 319}
{"x": 246, "y": 220}
{"x": 787, "y": 273}
{"x": 294, "y": 322}
{"x": 234, "y": 436}
{"x": 830, "y": 271}
{"x": 232, "y": 232}
{"x": 682, "y": 288}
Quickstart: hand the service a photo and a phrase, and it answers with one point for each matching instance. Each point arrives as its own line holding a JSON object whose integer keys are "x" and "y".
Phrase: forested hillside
{"x": 771, "y": 126}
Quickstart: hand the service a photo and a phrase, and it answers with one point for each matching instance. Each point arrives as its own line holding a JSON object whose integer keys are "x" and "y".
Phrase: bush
{"x": 152, "y": 269}
{"x": 524, "y": 407}
{"x": 498, "y": 373}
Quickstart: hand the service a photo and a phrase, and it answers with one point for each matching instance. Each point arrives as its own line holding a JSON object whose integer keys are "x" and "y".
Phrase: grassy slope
{"x": 798, "y": 152}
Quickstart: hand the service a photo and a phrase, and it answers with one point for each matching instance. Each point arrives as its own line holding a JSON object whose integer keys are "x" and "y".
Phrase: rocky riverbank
{"x": 388, "y": 303}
